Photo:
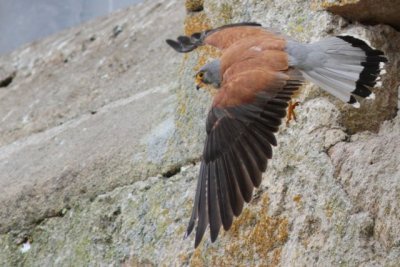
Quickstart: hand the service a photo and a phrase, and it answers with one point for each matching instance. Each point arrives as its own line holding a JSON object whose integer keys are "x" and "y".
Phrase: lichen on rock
{"x": 125, "y": 139}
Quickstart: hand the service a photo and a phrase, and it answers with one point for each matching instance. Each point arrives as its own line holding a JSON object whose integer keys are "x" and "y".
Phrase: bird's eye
{"x": 200, "y": 75}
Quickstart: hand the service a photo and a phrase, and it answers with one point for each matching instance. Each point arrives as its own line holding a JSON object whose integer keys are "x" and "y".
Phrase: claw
{"x": 291, "y": 114}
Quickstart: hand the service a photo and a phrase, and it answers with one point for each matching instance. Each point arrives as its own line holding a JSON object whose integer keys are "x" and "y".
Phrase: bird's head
{"x": 209, "y": 74}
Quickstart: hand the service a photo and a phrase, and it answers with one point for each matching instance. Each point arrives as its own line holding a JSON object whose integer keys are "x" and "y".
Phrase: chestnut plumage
{"x": 257, "y": 74}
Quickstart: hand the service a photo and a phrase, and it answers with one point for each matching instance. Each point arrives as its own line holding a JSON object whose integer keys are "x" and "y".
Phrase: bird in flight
{"x": 256, "y": 75}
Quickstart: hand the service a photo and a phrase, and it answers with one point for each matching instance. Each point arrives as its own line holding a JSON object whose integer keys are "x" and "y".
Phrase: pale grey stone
{"x": 330, "y": 195}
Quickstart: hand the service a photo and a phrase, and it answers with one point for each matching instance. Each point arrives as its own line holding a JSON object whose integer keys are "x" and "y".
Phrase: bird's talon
{"x": 291, "y": 114}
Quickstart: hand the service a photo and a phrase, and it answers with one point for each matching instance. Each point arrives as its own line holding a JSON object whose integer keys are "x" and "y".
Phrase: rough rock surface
{"x": 96, "y": 176}
{"x": 366, "y": 11}
{"x": 78, "y": 117}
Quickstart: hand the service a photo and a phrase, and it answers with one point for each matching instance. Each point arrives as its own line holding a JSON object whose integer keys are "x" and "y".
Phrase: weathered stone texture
{"x": 366, "y": 11}
{"x": 81, "y": 114}
{"x": 105, "y": 173}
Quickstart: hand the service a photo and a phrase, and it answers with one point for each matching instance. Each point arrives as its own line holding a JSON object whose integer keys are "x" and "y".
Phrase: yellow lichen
{"x": 254, "y": 235}
{"x": 297, "y": 198}
{"x": 268, "y": 232}
{"x": 296, "y": 27}
{"x": 226, "y": 12}
{"x": 197, "y": 260}
{"x": 194, "y": 5}
{"x": 204, "y": 54}
{"x": 328, "y": 210}
{"x": 196, "y": 23}
{"x": 199, "y": 22}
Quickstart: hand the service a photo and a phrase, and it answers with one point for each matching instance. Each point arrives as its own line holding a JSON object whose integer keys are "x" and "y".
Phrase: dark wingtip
{"x": 250, "y": 23}
{"x": 186, "y": 235}
{"x": 174, "y": 44}
{"x": 189, "y": 229}
{"x": 197, "y": 240}
{"x": 254, "y": 24}
{"x": 184, "y": 40}
{"x": 214, "y": 235}
{"x": 183, "y": 45}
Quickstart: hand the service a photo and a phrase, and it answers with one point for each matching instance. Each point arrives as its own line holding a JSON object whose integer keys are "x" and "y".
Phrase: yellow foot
{"x": 291, "y": 114}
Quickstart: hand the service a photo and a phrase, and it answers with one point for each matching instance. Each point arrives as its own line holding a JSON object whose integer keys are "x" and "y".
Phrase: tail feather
{"x": 335, "y": 83}
{"x": 345, "y": 59}
{"x": 344, "y": 66}
{"x": 338, "y": 65}
{"x": 339, "y": 74}
{"x": 331, "y": 86}
{"x": 346, "y": 82}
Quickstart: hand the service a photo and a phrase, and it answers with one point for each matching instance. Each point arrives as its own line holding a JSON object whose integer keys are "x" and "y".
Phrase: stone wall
{"x": 102, "y": 131}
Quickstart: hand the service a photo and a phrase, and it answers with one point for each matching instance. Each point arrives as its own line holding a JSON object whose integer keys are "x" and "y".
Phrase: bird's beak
{"x": 199, "y": 83}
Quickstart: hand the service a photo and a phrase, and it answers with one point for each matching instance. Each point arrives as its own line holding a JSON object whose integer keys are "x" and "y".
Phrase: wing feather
{"x": 213, "y": 203}
{"x": 238, "y": 145}
{"x": 252, "y": 163}
{"x": 202, "y": 208}
{"x": 246, "y": 112}
{"x": 235, "y": 195}
{"x": 221, "y": 37}
{"x": 239, "y": 172}
{"x": 224, "y": 199}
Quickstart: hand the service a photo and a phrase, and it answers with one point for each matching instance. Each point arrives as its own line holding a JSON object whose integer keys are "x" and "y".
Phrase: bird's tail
{"x": 345, "y": 67}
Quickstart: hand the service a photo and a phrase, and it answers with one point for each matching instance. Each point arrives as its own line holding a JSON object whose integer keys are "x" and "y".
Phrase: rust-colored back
{"x": 224, "y": 38}
{"x": 252, "y": 60}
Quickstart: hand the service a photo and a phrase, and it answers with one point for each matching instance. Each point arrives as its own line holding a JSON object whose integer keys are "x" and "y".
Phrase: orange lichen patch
{"x": 197, "y": 260}
{"x": 246, "y": 219}
{"x": 276, "y": 257}
{"x": 328, "y": 210}
{"x": 204, "y": 54}
{"x": 297, "y": 198}
{"x": 254, "y": 236}
{"x": 183, "y": 257}
{"x": 182, "y": 109}
{"x": 196, "y": 22}
{"x": 199, "y": 22}
{"x": 226, "y": 13}
{"x": 194, "y": 5}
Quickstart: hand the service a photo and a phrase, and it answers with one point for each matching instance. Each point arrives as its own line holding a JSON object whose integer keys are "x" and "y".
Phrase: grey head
{"x": 210, "y": 73}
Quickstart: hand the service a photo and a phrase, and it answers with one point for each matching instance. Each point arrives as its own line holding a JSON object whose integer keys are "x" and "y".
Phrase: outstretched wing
{"x": 239, "y": 143}
{"x": 222, "y": 37}
{"x": 256, "y": 87}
